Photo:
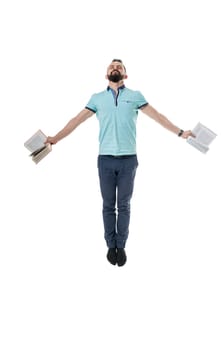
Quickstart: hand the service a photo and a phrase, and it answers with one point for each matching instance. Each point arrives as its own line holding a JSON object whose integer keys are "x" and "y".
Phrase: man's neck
{"x": 115, "y": 86}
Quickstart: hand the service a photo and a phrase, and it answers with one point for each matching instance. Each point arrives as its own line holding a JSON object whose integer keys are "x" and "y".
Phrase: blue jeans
{"x": 117, "y": 176}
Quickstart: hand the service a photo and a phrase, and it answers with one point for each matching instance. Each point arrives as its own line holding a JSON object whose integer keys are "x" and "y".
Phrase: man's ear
{"x": 125, "y": 76}
{"x": 106, "y": 77}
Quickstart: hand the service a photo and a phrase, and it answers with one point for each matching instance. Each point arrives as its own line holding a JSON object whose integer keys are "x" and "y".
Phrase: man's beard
{"x": 115, "y": 77}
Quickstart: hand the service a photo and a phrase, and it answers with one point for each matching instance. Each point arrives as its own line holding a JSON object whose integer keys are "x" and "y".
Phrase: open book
{"x": 36, "y": 145}
{"x": 203, "y": 139}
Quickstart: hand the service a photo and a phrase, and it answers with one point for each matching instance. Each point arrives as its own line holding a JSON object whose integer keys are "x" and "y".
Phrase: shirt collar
{"x": 120, "y": 87}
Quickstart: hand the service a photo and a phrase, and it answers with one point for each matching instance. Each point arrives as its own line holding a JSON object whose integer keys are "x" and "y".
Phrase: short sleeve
{"x": 140, "y": 99}
{"x": 91, "y": 105}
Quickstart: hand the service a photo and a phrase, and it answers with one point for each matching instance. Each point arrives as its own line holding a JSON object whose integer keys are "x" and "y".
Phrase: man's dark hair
{"x": 120, "y": 61}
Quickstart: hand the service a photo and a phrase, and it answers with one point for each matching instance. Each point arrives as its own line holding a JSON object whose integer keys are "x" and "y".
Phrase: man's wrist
{"x": 180, "y": 133}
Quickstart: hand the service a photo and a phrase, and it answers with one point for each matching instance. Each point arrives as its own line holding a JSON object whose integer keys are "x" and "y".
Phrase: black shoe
{"x": 112, "y": 256}
{"x": 121, "y": 257}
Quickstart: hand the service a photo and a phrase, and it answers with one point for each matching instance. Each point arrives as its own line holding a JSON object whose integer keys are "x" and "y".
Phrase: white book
{"x": 36, "y": 145}
{"x": 203, "y": 139}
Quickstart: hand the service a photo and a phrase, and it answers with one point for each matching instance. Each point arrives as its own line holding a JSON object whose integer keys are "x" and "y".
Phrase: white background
{"x": 57, "y": 289}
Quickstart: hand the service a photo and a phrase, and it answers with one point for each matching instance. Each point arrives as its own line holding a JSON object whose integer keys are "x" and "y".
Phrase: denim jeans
{"x": 116, "y": 174}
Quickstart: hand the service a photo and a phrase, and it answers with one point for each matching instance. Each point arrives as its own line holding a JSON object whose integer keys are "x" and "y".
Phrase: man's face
{"x": 116, "y": 72}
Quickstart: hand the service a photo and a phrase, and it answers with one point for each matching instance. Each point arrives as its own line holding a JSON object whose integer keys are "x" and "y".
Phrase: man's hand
{"x": 187, "y": 133}
{"x": 51, "y": 140}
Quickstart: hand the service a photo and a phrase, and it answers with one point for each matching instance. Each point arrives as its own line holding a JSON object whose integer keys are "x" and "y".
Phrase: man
{"x": 117, "y": 109}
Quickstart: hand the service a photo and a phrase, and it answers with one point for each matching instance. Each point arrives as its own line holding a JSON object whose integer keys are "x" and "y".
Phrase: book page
{"x": 42, "y": 154}
{"x": 197, "y": 145}
{"x": 203, "y": 135}
{"x": 36, "y": 141}
{"x": 33, "y": 154}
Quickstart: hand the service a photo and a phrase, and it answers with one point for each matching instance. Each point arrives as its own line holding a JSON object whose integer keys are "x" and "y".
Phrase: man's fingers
{"x": 187, "y": 134}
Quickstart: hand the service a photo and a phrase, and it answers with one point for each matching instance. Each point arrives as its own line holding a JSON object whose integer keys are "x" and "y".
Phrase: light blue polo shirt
{"x": 117, "y": 116}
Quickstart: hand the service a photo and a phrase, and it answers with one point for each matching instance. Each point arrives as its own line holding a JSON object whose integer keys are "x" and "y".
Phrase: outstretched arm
{"x": 162, "y": 120}
{"x": 71, "y": 125}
